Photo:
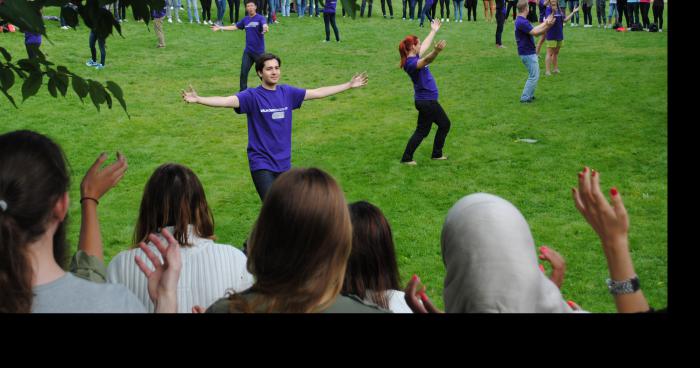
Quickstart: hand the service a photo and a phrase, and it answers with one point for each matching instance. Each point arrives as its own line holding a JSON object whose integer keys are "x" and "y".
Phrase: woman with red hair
{"x": 426, "y": 93}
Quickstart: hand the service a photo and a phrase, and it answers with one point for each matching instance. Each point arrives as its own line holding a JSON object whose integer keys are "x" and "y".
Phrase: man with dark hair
{"x": 255, "y": 27}
{"x": 524, "y": 33}
{"x": 269, "y": 111}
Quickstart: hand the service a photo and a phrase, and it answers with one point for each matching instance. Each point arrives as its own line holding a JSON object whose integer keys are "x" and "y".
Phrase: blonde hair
{"x": 522, "y": 6}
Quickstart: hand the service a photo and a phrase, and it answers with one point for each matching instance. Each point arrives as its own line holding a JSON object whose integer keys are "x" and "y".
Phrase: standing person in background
{"x": 233, "y": 7}
{"x": 206, "y": 11}
{"x": 444, "y": 4}
{"x": 543, "y": 4}
{"x": 391, "y": 9}
{"x": 555, "y": 37}
{"x": 415, "y": 62}
{"x": 32, "y": 42}
{"x": 600, "y": 12}
{"x": 255, "y": 27}
{"x": 471, "y": 8}
{"x": 532, "y": 7}
{"x": 103, "y": 51}
{"x": 174, "y": 5}
{"x": 524, "y": 33}
{"x": 587, "y": 13}
{"x": 158, "y": 15}
{"x": 220, "y": 12}
{"x": 658, "y": 9}
{"x": 425, "y": 12}
{"x": 500, "y": 20}
{"x": 633, "y": 11}
{"x": 572, "y": 5}
{"x": 458, "y": 10}
{"x": 489, "y": 10}
{"x": 511, "y": 5}
{"x": 285, "y": 5}
{"x": 272, "y": 13}
{"x": 190, "y": 12}
{"x": 612, "y": 14}
{"x": 362, "y": 8}
{"x": 644, "y": 6}
{"x": 622, "y": 10}
{"x": 329, "y": 19}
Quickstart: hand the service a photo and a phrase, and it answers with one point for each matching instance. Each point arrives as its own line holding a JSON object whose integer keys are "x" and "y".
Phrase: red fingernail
{"x": 571, "y": 304}
{"x": 585, "y": 169}
{"x": 542, "y": 268}
{"x": 594, "y": 173}
{"x": 414, "y": 277}
{"x": 580, "y": 175}
{"x": 613, "y": 191}
{"x": 423, "y": 296}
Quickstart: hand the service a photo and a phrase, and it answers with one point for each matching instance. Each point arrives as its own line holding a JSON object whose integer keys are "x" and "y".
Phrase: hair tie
{"x": 3, "y": 205}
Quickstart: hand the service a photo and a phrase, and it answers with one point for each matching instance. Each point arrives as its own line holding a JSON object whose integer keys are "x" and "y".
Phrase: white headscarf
{"x": 491, "y": 261}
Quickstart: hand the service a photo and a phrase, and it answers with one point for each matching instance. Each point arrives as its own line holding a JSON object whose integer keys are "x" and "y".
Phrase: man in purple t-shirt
{"x": 255, "y": 27}
{"x": 269, "y": 111}
{"x": 524, "y": 33}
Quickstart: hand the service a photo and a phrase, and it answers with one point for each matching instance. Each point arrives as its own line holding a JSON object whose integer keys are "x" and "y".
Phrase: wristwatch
{"x": 628, "y": 286}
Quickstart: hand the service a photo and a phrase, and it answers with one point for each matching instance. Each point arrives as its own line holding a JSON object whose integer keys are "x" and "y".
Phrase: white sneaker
{"x": 461, "y": 21}
{"x": 448, "y": 20}
{"x": 179, "y": 21}
{"x": 170, "y": 20}
{"x": 90, "y": 63}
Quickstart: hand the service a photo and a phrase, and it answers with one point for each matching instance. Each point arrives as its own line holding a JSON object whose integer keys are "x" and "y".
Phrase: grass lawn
{"x": 607, "y": 109}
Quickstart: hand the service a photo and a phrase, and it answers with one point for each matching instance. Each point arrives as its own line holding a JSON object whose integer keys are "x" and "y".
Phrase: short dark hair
{"x": 260, "y": 61}
{"x": 250, "y": 1}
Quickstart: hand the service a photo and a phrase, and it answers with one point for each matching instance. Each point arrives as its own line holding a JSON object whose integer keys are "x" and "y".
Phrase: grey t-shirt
{"x": 70, "y": 294}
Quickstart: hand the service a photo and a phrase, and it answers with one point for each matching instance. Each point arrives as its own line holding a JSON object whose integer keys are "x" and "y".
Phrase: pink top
{"x": 645, "y": 1}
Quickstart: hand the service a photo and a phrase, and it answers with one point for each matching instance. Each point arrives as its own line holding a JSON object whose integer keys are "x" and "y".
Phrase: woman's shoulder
{"x": 353, "y": 304}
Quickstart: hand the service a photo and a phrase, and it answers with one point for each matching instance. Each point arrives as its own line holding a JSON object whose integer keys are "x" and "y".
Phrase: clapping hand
{"x": 162, "y": 281}
{"x": 97, "y": 182}
{"x": 440, "y": 45}
{"x": 556, "y": 261}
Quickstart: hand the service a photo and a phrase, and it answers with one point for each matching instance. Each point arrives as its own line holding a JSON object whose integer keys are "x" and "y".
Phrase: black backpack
{"x": 653, "y": 28}
{"x": 636, "y": 27}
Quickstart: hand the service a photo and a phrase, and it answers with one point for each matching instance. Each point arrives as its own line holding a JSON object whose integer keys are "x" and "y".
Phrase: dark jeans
{"x": 587, "y": 14}
{"x": 425, "y": 12}
{"x": 658, "y": 15}
{"x": 263, "y": 180}
{"x": 532, "y": 15}
{"x": 413, "y": 4}
{"x": 500, "y": 19}
{"x": 101, "y": 43}
{"x": 572, "y": 4}
{"x": 429, "y": 112}
{"x": 362, "y": 8}
{"x": 471, "y": 8}
{"x": 246, "y": 63}
{"x": 233, "y": 4}
{"x": 633, "y": 10}
{"x": 444, "y": 4}
{"x": 645, "y": 13}
{"x": 391, "y": 8}
{"x": 206, "y": 9}
{"x": 511, "y": 5}
{"x": 329, "y": 20}
{"x": 622, "y": 10}
{"x": 600, "y": 12}
{"x": 33, "y": 50}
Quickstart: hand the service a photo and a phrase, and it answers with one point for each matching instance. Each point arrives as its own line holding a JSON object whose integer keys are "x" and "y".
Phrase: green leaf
{"x": 7, "y": 78}
{"x": 97, "y": 93}
{"x": 80, "y": 87}
{"x": 29, "y": 65}
{"x": 61, "y": 82}
{"x": 117, "y": 93}
{"x": 52, "y": 88}
{"x": 6, "y": 54}
{"x": 31, "y": 85}
{"x": 108, "y": 98}
{"x": 62, "y": 69}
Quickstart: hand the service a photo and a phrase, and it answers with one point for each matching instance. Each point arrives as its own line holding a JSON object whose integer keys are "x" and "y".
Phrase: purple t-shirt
{"x": 542, "y": 13}
{"x": 556, "y": 33}
{"x": 330, "y": 7}
{"x": 254, "y": 38}
{"x": 32, "y": 38}
{"x": 424, "y": 86}
{"x": 526, "y": 43}
{"x": 157, "y": 14}
{"x": 270, "y": 125}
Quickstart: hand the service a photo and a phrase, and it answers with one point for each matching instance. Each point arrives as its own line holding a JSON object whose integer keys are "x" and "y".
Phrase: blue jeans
{"x": 533, "y": 69}
{"x": 285, "y": 7}
{"x": 220, "y": 11}
{"x": 93, "y": 51}
{"x": 175, "y": 5}
{"x": 274, "y": 4}
{"x": 612, "y": 12}
{"x": 426, "y": 13}
{"x": 458, "y": 9}
{"x": 246, "y": 63}
{"x": 301, "y": 8}
{"x": 573, "y": 4}
{"x": 263, "y": 179}
{"x": 191, "y": 3}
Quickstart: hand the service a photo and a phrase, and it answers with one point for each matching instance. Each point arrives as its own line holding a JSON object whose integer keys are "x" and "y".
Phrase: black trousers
{"x": 658, "y": 15}
{"x": 32, "y": 50}
{"x": 511, "y": 5}
{"x": 247, "y": 62}
{"x": 329, "y": 19}
{"x": 444, "y": 4}
{"x": 622, "y": 10}
{"x": 500, "y": 19}
{"x": 633, "y": 11}
{"x": 532, "y": 15}
{"x": 587, "y": 14}
{"x": 645, "y": 13}
{"x": 471, "y": 8}
{"x": 233, "y": 4}
{"x": 206, "y": 9}
{"x": 391, "y": 8}
{"x": 429, "y": 112}
{"x": 263, "y": 179}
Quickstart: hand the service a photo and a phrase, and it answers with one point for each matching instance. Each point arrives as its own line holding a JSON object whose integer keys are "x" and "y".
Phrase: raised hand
{"x": 435, "y": 25}
{"x": 417, "y": 300}
{"x": 556, "y": 261}
{"x": 358, "y": 80}
{"x": 97, "y": 182}
{"x": 162, "y": 281}
{"x": 190, "y": 95}
{"x": 440, "y": 45}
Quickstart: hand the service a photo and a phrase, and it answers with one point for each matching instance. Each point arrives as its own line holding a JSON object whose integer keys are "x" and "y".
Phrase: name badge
{"x": 278, "y": 115}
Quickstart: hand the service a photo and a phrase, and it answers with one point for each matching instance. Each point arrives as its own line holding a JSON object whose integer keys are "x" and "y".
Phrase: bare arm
{"x": 434, "y": 27}
{"x": 544, "y": 26}
{"x": 432, "y": 55}
{"x": 94, "y": 185}
{"x": 223, "y": 28}
{"x": 571, "y": 15}
{"x": 358, "y": 80}
{"x": 190, "y": 96}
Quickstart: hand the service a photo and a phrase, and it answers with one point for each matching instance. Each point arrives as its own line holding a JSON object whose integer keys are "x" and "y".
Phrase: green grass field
{"x": 607, "y": 109}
